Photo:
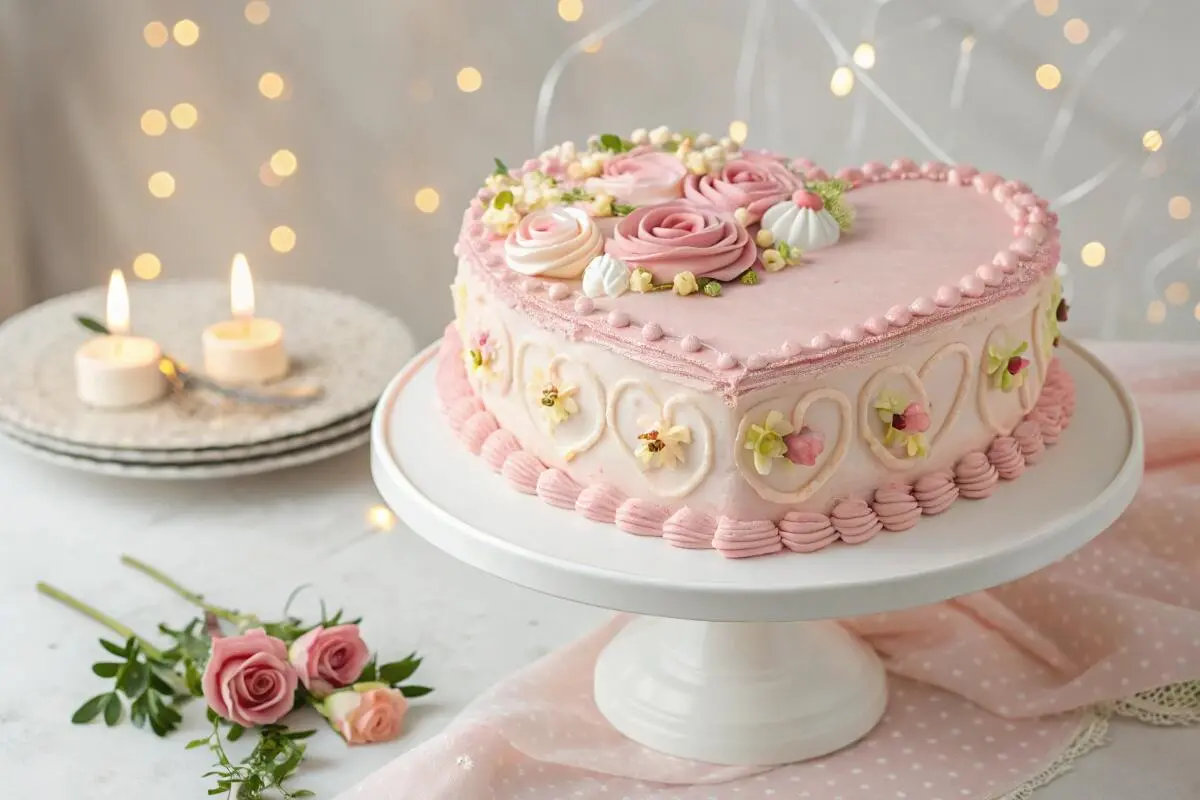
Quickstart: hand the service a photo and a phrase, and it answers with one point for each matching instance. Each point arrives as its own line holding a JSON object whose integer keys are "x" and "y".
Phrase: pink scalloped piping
{"x": 895, "y": 507}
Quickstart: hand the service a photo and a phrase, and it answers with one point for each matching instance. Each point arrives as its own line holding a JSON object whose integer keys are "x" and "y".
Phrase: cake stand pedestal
{"x": 731, "y": 665}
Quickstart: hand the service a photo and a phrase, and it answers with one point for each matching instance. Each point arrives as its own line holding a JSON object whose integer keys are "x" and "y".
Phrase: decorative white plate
{"x": 200, "y": 471}
{"x": 347, "y": 346}
{"x": 186, "y": 457}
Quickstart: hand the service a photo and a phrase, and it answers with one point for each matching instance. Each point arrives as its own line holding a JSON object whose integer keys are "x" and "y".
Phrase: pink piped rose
{"x": 329, "y": 658}
{"x": 366, "y": 712}
{"x": 248, "y": 679}
{"x": 642, "y": 176}
{"x": 754, "y": 182}
{"x": 678, "y": 237}
{"x": 805, "y": 447}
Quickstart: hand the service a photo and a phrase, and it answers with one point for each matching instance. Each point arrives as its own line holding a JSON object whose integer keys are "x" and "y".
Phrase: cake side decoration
{"x": 905, "y": 423}
{"x": 556, "y": 400}
{"x": 766, "y": 442}
{"x": 662, "y": 445}
{"x": 482, "y": 356}
{"x": 805, "y": 446}
{"x": 1006, "y": 366}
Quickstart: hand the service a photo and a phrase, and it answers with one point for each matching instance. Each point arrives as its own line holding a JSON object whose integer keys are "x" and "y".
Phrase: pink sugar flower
{"x": 805, "y": 447}
{"x": 916, "y": 420}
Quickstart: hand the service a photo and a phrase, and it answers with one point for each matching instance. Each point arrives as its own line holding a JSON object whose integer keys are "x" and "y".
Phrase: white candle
{"x": 246, "y": 349}
{"x": 118, "y": 370}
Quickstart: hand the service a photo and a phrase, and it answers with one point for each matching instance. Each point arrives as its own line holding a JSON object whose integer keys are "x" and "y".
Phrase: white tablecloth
{"x": 248, "y": 543}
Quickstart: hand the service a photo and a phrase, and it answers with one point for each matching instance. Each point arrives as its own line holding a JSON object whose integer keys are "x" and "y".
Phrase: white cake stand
{"x": 730, "y": 667}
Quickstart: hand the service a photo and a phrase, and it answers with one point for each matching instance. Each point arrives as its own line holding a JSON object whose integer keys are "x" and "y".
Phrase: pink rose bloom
{"x": 805, "y": 447}
{"x": 248, "y": 679}
{"x": 641, "y": 177}
{"x": 915, "y": 419}
{"x": 754, "y": 182}
{"x": 679, "y": 237}
{"x": 366, "y": 713}
{"x": 329, "y": 658}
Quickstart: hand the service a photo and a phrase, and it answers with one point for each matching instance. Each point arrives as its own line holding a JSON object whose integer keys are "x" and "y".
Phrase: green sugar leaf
{"x": 503, "y": 200}
{"x": 501, "y": 167}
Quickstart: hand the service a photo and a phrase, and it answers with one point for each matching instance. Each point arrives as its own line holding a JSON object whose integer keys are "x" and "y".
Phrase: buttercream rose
{"x": 753, "y": 182}
{"x": 677, "y": 237}
{"x": 553, "y": 243}
{"x": 366, "y": 712}
{"x": 642, "y": 176}
{"x": 248, "y": 679}
{"x": 329, "y": 658}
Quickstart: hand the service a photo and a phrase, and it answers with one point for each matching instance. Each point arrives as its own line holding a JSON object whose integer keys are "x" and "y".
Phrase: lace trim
{"x": 1091, "y": 733}
{"x": 1175, "y": 704}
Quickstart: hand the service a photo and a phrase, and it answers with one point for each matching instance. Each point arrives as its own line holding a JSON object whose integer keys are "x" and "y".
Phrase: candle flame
{"x": 116, "y": 312}
{"x": 241, "y": 288}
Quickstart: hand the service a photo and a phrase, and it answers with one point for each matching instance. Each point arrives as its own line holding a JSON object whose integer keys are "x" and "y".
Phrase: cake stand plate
{"x": 730, "y": 667}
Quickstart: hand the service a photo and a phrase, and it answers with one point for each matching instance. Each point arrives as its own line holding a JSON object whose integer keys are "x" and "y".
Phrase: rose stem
{"x": 119, "y": 628}
{"x": 187, "y": 594}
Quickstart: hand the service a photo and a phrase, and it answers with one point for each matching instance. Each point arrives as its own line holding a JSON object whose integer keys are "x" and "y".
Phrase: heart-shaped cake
{"x": 734, "y": 350}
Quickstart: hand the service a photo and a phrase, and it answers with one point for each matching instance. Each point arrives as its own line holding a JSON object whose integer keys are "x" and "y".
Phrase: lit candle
{"x": 118, "y": 370}
{"x": 246, "y": 349}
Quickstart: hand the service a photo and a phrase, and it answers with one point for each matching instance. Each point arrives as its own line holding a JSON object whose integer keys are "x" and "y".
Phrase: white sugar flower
{"x": 501, "y": 220}
{"x": 640, "y": 136}
{"x": 660, "y": 135}
{"x": 685, "y": 284}
{"x": 661, "y": 447}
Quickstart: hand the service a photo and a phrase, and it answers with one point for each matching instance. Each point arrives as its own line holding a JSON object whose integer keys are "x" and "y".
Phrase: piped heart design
{"x": 794, "y": 483}
{"x": 915, "y": 379}
{"x": 633, "y": 406}
{"x": 579, "y": 431}
{"x": 1026, "y": 395}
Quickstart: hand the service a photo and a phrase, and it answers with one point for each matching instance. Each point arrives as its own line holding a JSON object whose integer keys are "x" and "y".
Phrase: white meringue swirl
{"x": 553, "y": 243}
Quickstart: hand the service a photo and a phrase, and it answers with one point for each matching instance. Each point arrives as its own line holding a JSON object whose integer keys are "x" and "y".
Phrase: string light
{"x": 1076, "y": 31}
{"x": 186, "y": 32}
{"x": 1177, "y": 293}
{"x": 420, "y": 90}
{"x": 427, "y": 199}
{"x": 381, "y": 518}
{"x": 842, "y": 82}
{"x": 257, "y": 12}
{"x": 283, "y": 163}
{"x": 155, "y": 34}
{"x": 184, "y": 115}
{"x": 270, "y": 85}
{"x": 593, "y": 45}
{"x": 1179, "y": 207}
{"x": 154, "y": 122}
{"x": 1047, "y": 8}
{"x": 1196, "y": 312}
{"x": 162, "y": 184}
{"x": 1152, "y": 140}
{"x": 738, "y": 131}
{"x": 469, "y": 79}
{"x": 570, "y": 10}
{"x": 864, "y": 55}
{"x": 1156, "y": 312}
{"x": 283, "y": 239}
{"x": 147, "y": 266}
{"x": 1092, "y": 254}
{"x": 1048, "y": 77}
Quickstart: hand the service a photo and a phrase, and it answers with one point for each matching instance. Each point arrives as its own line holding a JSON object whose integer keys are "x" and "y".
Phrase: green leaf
{"x": 421, "y": 691}
{"x": 303, "y": 793}
{"x": 135, "y": 681}
{"x": 106, "y": 669}
{"x": 398, "y": 671}
{"x": 369, "y": 672}
{"x": 501, "y": 167}
{"x": 235, "y": 732}
{"x": 218, "y": 790}
{"x": 89, "y": 710}
{"x": 670, "y": 146}
{"x": 298, "y": 735}
{"x": 289, "y": 766}
{"x": 112, "y": 709}
{"x": 194, "y": 743}
{"x": 211, "y": 715}
{"x": 784, "y": 249}
{"x": 115, "y": 649}
{"x": 611, "y": 142}
{"x": 623, "y": 209}
{"x": 502, "y": 200}
{"x": 91, "y": 324}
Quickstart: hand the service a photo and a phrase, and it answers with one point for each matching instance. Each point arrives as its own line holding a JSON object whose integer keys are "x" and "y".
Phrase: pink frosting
{"x": 641, "y": 177}
{"x": 753, "y": 182}
{"x": 1005, "y": 455}
{"x": 460, "y": 410}
{"x": 677, "y": 237}
{"x": 935, "y": 492}
{"x": 1029, "y": 439}
{"x": 554, "y": 243}
{"x": 475, "y": 431}
{"x": 975, "y": 476}
{"x": 855, "y": 521}
{"x": 556, "y": 488}
{"x": 521, "y": 470}
{"x": 736, "y": 539}
{"x": 599, "y": 502}
{"x": 690, "y": 528}
{"x": 896, "y": 508}
{"x": 1049, "y": 422}
{"x": 641, "y": 518}
{"x": 498, "y": 447}
{"x": 806, "y": 531}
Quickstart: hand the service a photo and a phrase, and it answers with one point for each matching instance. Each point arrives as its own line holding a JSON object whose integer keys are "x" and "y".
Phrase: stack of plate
{"x": 348, "y": 348}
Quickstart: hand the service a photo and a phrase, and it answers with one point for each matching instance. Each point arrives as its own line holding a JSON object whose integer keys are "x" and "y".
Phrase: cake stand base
{"x": 740, "y": 693}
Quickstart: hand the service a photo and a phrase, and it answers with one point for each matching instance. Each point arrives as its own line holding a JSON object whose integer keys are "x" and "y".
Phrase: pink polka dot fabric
{"x": 988, "y": 692}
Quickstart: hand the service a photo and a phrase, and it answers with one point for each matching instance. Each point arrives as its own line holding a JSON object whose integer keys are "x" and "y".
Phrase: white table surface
{"x": 248, "y": 543}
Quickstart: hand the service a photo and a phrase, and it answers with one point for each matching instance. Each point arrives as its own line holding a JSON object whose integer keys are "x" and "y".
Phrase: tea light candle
{"x": 118, "y": 370}
{"x": 244, "y": 350}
